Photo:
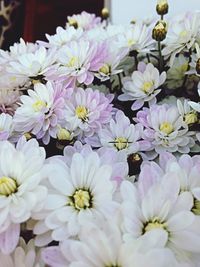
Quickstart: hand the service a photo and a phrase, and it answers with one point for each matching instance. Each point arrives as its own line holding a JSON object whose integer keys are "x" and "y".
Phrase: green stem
{"x": 161, "y": 63}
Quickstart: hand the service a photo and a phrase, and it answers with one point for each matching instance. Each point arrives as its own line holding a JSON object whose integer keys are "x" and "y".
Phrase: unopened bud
{"x": 162, "y": 7}
{"x": 134, "y": 163}
{"x": 198, "y": 66}
{"x": 105, "y": 13}
{"x": 159, "y": 31}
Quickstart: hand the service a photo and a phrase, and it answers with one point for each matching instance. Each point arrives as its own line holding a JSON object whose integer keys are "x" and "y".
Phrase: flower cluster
{"x": 100, "y": 144}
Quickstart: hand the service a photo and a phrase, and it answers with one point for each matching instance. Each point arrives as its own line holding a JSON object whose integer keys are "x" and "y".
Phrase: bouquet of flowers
{"x": 100, "y": 136}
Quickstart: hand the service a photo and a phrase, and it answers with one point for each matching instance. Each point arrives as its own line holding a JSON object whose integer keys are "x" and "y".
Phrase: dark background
{"x": 34, "y": 18}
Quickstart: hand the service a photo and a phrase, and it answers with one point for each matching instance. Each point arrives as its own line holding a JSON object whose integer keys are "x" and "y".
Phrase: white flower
{"x": 176, "y": 74}
{"x": 32, "y": 65}
{"x": 182, "y": 35}
{"x": 40, "y": 111}
{"x": 6, "y": 126}
{"x": 137, "y": 37}
{"x": 20, "y": 177}
{"x": 143, "y": 85}
{"x": 78, "y": 193}
{"x": 63, "y": 36}
{"x": 120, "y": 134}
{"x": 160, "y": 209}
{"x": 103, "y": 245}
{"x": 25, "y": 255}
{"x": 188, "y": 114}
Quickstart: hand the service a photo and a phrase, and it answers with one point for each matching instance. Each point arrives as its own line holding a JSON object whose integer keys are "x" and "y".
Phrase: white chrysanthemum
{"x": 182, "y": 35}
{"x": 143, "y": 85}
{"x": 176, "y": 74}
{"x": 40, "y": 111}
{"x": 32, "y": 65}
{"x": 160, "y": 209}
{"x": 166, "y": 129}
{"x": 63, "y": 36}
{"x": 120, "y": 134}
{"x": 104, "y": 246}
{"x": 6, "y": 126}
{"x": 78, "y": 193}
{"x": 20, "y": 177}
{"x": 188, "y": 114}
{"x": 25, "y": 255}
{"x": 137, "y": 37}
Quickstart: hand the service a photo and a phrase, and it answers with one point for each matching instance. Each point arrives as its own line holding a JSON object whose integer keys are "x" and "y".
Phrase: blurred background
{"x": 31, "y": 19}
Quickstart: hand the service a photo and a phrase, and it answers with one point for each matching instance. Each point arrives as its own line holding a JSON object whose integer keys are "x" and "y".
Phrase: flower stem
{"x": 161, "y": 63}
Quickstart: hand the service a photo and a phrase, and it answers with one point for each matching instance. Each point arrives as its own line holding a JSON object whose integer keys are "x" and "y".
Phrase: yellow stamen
{"x": 81, "y": 199}
{"x": 105, "y": 69}
{"x": 8, "y": 186}
{"x": 39, "y": 105}
{"x": 63, "y": 134}
{"x": 147, "y": 86}
{"x": 121, "y": 143}
{"x": 131, "y": 42}
{"x": 166, "y": 127}
{"x": 72, "y": 62}
{"x": 81, "y": 112}
{"x": 196, "y": 207}
{"x": 191, "y": 118}
{"x": 155, "y": 224}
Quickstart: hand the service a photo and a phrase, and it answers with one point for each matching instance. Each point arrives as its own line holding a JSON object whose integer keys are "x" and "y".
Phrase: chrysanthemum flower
{"x": 20, "y": 176}
{"x": 182, "y": 35}
{"x": 9, "y": 100}
{"x": 76, "y": 194}
{"x": 120, "y": 134}
{"x": 104, "y": 246}
{"x": 143, "y": 85}
{"x": 88, "y": 110}
{"x": 84, "y": 20}
{"x": 165, "y": 129}
{"x": 32, "y": 66}
{"x": 41, "y": 110}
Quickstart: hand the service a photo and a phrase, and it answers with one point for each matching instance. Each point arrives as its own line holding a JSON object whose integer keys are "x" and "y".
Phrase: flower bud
{"x": 134, "y": 163}
{"x": 198, "y": 66}
{"x": 105, "y": 13}
{"x": 159, "y": 31}
{"x": 162, "y": 7}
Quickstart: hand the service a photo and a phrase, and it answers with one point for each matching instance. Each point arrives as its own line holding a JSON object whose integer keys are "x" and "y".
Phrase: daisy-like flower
{"x": 176, "y": 74}
{"x": 24, "y": 255}
{"x": 6, "y": 126}
{"x": 76, "y": 194}
{"x": 88, "y": 110}
{"x": 63, "y": 36}
{"x": 84, "y": 20}
{"x": 165, "y": 129}
{"x": 182, "y": 35}
{"x": 136, "y": 38}
{"x": 104, "y": 246}
{"x": 41, "y": 110}
{"x": 142, "y": 86}
{"x": 120, "y": 134}
{"x": 111, "y": 61}
{"x": 20, "y": 176}
{"x": 32, "y": 66}
{"x": 160, "y": 209}
{"x": 188, "y": 114}
{"x": 79, "y": 64}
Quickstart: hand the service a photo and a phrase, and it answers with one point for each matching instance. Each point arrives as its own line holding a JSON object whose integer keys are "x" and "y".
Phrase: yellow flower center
{"x": 147, "y": 86}
{"x": 131, "y": 42}
{"x": 81, "y": 199}
{"x": 121, "y": 143}
{"x": 39, "y": 105}
{"x": 72, "y": 62}
{"x": 155, "y": 224}
{"x": 28, "y": 136}
{"x": 191, "y": 118}
{"x": 183, "y": 33}
{"x": 196, "y": 207}
{"x": 166, "y": 127}
{"x": 8, "y": 186}
{"x": 63, "y": 134}
{"x": 82, "y": 113}
{"x": 106, "y": 69}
